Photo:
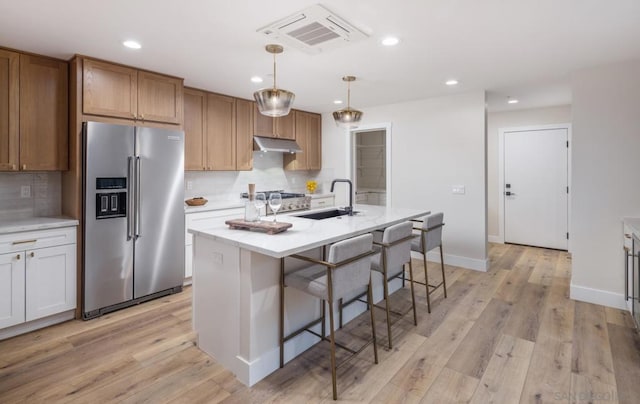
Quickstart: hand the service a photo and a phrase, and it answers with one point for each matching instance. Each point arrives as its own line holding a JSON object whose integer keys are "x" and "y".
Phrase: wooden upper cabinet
{"x": 285, "y": 126}
{"x": 308, "y": 136}
{"x": 9, "y": 110}
{"x": 262, "y": 125}
{"x": 44, "y": 117}
{"x": 221, "y": 132}
{"x": 244, "y": 135}
{"x": 109, "y": 90}
{"x": 314, "y": 142}
{"x": 195, "y": 110}
{"x": 159, "y": 98}
{"x": 123, "y": 92}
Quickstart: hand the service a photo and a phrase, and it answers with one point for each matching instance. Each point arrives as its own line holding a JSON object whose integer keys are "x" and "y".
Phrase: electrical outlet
{"x": 25, "y": 191}
{"x": 189, "y": 185}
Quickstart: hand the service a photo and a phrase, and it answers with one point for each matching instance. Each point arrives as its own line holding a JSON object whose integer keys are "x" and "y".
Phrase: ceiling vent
{"x": 313, "y": 30}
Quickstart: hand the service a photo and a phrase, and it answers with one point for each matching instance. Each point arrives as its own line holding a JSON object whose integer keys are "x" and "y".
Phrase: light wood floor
{"x": 510, "y": 335}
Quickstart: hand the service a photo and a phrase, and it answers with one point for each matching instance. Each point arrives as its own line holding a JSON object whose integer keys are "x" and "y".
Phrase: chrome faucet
{"x": 350, "y": 208}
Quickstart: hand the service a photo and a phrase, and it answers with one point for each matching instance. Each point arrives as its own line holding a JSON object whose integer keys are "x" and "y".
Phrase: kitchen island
{"x": 236, "y": 280}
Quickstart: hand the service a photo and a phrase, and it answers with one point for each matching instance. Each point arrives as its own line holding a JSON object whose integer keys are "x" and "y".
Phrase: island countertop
{"x": 308, "y": 233}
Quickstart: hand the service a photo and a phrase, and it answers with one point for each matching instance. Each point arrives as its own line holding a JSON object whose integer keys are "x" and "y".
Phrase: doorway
{"x": 534, "y": 186}
{"x": 371, "y": 164}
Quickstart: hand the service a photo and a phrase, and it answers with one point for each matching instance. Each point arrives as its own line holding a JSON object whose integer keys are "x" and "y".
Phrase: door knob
{"x": 18, "y": 257}
{"x": 32, "y": 254}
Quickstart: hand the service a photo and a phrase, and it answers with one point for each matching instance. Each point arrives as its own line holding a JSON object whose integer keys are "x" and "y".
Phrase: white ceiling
{"x": 519, "y": 48}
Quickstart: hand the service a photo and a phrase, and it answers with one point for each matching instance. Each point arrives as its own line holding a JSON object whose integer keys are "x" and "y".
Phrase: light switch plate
{"x": 458, "y": 189}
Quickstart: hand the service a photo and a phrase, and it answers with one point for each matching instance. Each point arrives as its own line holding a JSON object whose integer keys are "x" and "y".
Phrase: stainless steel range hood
{"x": 276, "y": 145}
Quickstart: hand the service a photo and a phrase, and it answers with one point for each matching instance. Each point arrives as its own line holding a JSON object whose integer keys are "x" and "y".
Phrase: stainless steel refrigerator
{"x": 133, "y": 215}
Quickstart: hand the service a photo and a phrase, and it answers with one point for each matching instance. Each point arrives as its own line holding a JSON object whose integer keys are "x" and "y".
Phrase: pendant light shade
{"x": 347, "y": 117}
{"x": 274, "y": 101}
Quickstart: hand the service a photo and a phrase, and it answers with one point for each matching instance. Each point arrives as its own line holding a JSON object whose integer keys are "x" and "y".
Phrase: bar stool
{"x": 430, "y": 238}
{"x": 346, "y": 270}
{"x": 395, "y": 252}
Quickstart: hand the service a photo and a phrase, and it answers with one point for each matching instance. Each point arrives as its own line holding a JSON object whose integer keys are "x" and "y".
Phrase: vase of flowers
{"x": 311, "y": 186}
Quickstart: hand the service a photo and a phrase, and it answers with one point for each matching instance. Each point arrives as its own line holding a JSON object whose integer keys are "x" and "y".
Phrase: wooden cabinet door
{"x": 286, "y": 126}
{"x": 314, "y": 142}
{"x": 11, "y": 289}
{"x": 159, "y": 98}
{"x": 308, "y": 136}
{"x": 244, "y": 135}
{"x": 109, "y": 90}
{"x": 44, "y": 116}
{"x": 195, "y": 109}
{"x": 9, "y": 110}
{"x": 50, "y": 281}
{"x": 221, "y": 132}
{"x": 263, "y": 125}
{"x": 298, "y": 161}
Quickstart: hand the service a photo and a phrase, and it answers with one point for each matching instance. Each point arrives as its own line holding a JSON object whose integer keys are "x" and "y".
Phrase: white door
{"x": 11, "y": 289}
{"x": 535, "y": 188}
{"x": 50, "y": 280}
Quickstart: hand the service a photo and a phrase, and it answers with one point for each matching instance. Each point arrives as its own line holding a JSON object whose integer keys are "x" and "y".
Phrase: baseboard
{"x": 597, "y": 296}
{"x": 495, "y": 239}
{"x": 37, "y": 324}
{"x": 456, "y": 260}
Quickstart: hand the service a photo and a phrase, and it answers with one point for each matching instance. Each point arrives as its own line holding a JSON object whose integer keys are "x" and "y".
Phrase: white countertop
{"x": 35, "y": 223}
{"x": 308, "y": 233}
{"x": 214, "y": 205}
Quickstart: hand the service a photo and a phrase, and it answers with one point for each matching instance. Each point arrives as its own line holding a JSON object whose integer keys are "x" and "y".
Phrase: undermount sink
{"x": 325, "y": 214}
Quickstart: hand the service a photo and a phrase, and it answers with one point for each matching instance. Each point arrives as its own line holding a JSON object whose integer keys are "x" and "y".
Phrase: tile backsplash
{"x": 44, "y": 197}
{"x": 267, "y": 174}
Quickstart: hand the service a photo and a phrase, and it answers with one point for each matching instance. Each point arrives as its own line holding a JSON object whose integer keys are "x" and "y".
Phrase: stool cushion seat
{"x": 312, "y": 280}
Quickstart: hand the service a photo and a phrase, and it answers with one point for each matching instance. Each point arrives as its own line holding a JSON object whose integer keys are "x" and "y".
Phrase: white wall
{"x": 606, "y": 168}
{"x": 435, "y": 143}
{"x": 511, "y": 119}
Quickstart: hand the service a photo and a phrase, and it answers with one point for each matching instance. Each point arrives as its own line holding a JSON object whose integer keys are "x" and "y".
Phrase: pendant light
{"x": 347, "y": 117}
{"x": 274, "y": 101}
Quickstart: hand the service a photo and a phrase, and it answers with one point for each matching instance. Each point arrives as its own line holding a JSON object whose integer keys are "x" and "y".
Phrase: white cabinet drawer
{"x": 211, "y": 217}
{"x": 30, "y": 240}
{"x": 323, "y": 202}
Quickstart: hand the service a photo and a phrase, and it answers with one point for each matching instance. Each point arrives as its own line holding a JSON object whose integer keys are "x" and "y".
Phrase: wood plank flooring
{"x": 506, "y": 336}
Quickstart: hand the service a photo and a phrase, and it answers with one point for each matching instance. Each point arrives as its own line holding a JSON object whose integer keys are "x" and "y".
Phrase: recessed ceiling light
{"x": 390, "y": 41}
{"x": 451, "y": 82}
{"x": 132, "y": 44}
{"x": 337, "y": 102}
{"x": 512, "y": 101}
{"x": 256, "y": 79}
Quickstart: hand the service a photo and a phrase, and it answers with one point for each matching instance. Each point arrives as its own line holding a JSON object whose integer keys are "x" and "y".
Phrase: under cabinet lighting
{"x": 512, "y": 101}
{"x": 132, "y": 44}
{"x": 256, "y": 79}
{"x": 337, "y": 102}
{"x": 451, "y": 82}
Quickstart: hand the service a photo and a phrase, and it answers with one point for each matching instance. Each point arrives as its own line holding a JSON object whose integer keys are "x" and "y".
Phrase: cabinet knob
{"x": 133, "y": 115}
{"x": 24, "y": 166}
{"x": 142, "y": 116}
{"x": 627, "y": 235}
{"x": 14, "y": 167}
{"x": 32, "y": 254}
{"x": 18, "y": 257}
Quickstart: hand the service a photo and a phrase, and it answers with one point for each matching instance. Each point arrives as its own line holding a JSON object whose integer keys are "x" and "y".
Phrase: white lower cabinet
{"x": 11, "y": 289}
{"x": 37, "y": 278}
{"x": 50, "y": 281}
{"x": 318, "y": 202}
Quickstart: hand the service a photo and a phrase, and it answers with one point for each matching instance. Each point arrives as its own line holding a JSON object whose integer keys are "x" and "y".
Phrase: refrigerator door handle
{"x": 138, "y": 232}
{"x": 130, "y": 204}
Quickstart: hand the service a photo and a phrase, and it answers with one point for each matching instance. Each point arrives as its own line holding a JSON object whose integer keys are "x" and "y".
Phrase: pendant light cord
{"x": 274, "y": 72}
{"x": 348, "y": 95}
